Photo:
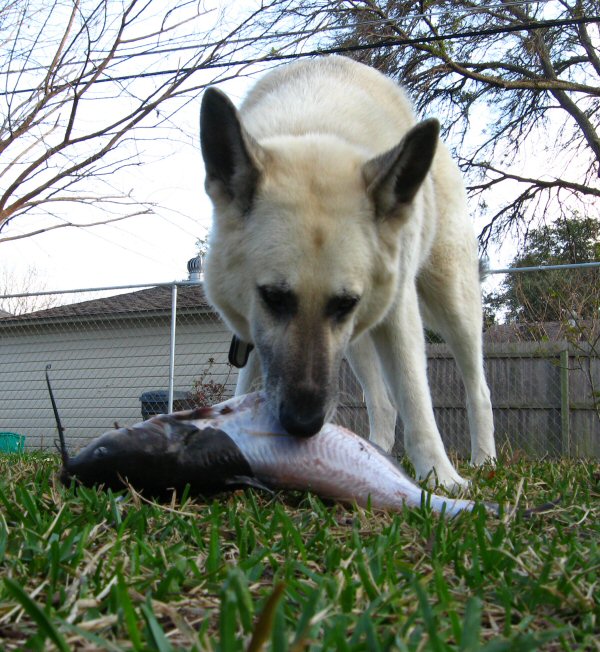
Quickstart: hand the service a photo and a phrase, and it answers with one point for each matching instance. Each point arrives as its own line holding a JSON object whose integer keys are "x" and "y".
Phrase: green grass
{"x": 88, "y": 570}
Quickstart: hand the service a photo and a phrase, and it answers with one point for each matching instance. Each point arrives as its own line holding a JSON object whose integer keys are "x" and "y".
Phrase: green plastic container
{"x": 11, "y": 442}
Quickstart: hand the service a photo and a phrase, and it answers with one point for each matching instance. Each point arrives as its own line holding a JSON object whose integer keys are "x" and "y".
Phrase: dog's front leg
{"x": 363, "y": 359}
{"x": 400, "y": 343}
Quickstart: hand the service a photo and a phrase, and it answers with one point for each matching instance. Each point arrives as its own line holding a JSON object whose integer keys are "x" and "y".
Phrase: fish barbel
{"x": 239, "y": 443}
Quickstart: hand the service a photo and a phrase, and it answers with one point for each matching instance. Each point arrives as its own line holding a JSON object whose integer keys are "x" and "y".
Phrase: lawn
{"x": 88, "y": 570}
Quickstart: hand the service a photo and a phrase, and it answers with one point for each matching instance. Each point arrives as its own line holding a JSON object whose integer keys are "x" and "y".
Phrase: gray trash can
{"x": 157, "y": 402}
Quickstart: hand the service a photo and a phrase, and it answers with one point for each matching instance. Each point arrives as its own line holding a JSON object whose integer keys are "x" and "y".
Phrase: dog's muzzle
{"x": 303, "y": 415}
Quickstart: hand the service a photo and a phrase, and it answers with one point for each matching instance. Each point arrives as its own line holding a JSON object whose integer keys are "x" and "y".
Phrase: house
{"x": 104, "y": 354}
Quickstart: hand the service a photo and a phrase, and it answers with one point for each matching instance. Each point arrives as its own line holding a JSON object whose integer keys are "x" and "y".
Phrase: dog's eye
{"x": 338, "y": 308}
{"x": 279, "y": 300}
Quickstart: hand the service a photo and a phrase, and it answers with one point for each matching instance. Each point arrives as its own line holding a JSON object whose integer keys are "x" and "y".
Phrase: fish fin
{"x": 207, "y": 412}
{"x": 247, "y": 481}
{"x": 173, "y": 427}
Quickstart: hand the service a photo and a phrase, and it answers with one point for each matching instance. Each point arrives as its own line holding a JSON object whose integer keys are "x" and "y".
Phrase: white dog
{"x": 340, "y": 229}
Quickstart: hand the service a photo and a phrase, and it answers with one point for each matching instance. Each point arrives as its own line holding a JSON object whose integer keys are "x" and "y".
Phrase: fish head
{"x": 138, "y": 454}
{"x": 164, "y": 453}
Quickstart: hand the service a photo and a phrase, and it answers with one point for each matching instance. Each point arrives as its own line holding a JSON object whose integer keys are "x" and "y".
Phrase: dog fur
{"x": 340, "y": 229}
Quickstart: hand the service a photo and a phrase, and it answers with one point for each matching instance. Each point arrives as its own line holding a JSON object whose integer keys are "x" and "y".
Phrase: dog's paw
{"x": 457, "y": 484}
{"x": 453, "y": 483}
{"x": 444, "y": 476}
{"x": 480, "y": 458}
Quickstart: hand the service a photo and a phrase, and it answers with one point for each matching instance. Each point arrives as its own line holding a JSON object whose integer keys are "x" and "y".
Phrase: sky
{"x": 140, "y": 249}
{"x": 143, "y": 249}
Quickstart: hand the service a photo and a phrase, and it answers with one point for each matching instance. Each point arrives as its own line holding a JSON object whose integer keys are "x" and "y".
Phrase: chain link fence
{"x": 118, "y": 355}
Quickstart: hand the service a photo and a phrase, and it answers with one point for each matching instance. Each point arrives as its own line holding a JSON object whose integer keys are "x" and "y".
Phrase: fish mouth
{"x": 65, "y": 476}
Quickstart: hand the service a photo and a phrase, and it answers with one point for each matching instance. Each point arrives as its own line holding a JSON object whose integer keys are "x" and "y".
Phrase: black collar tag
{"x": 239, "y": 352}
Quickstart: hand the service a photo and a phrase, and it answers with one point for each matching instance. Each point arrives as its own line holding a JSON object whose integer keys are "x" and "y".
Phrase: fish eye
{"x": 340, "y": 307}
{"x": 101, "y": 451}
{"x": 279, "y": 300}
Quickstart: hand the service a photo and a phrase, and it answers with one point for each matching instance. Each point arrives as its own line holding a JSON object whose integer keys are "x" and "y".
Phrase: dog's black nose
{"x": 303, "y": 415}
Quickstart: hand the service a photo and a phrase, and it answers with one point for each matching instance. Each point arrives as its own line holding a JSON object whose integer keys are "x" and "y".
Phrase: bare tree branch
{"x": 504, "y": 81}
{"x": 542, "y": 183}
{"x": 71, "y": 224}
{"x": 28, "y": 283}
{"x": 75, "y": 88}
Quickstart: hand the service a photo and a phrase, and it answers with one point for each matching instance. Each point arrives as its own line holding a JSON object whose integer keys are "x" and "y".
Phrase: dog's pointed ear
{"x": 231, "y": 156}
{"x": 394, "y": 178}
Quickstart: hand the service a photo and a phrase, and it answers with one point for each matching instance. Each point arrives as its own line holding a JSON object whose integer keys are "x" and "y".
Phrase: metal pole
{"x": 565, "y": 417}
{"x": 172, "y": 347}
{"x": 543, "y": 268}
{"x": 104, "y": 288}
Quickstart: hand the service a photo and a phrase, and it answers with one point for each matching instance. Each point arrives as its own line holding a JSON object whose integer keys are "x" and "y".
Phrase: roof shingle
{"x": 150, "y": 300}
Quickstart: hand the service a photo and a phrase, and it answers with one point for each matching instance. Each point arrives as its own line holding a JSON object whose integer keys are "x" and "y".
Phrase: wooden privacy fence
{"x": 545, "y": 397}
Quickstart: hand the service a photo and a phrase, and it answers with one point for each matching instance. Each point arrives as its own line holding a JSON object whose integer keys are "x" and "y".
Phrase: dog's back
{"x": 334, "y": 96}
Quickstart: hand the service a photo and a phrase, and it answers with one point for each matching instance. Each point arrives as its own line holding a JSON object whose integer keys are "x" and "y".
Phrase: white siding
{"x": 99, "y": 372}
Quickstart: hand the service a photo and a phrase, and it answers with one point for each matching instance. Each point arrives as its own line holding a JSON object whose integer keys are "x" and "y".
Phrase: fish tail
{"x": 454, "y": 506}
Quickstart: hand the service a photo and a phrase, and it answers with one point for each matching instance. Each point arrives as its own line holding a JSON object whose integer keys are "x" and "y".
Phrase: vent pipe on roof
{"x": 194, "y": 269}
